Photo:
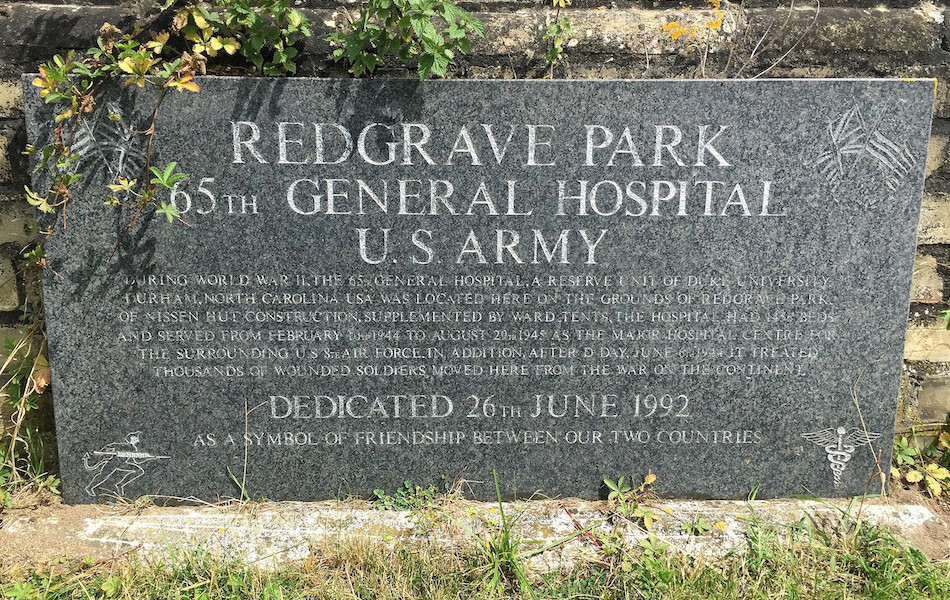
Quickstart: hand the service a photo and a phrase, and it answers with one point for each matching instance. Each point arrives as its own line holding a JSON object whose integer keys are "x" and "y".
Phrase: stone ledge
{"x": 270, "y": 533}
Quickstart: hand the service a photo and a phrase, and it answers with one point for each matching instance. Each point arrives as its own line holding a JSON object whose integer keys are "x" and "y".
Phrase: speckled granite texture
{"x": 561, "y": 281}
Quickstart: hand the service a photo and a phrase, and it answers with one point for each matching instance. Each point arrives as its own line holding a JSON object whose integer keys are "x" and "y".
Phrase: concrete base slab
{"x": 270, "y": 533}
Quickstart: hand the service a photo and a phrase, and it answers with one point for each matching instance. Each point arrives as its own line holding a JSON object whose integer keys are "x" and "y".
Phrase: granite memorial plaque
{"x": 561, "y": 281}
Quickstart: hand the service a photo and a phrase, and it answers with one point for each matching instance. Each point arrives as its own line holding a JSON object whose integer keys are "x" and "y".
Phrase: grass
{"x": 841, "y": 561}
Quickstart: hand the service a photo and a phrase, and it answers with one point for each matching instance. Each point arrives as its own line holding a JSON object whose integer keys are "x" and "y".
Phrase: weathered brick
{"x": 9, "y": 296}
{"x": 8, "y": 335}
{"x": 836, "y": 29}
{"x": 33, "y": 287}
{"x": 934, "y": 219}
{"x": 933, "y": 399}
{"x": 27, "y": 26}
{"x": 11, "y": 99}
{"x": 906, "y": 401}
{"x": 929, "y": 342}
{"x": 16, "y": 217}
{"x": 839, "y": 29}
{"x": 626, "y": 32}
{"x": 927, "y": 285}
{"x": 6, "y": 147}
{"x": 936, "y": 152}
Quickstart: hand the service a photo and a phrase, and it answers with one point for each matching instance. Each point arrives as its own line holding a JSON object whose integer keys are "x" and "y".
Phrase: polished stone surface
{"x": 559, "y": 281}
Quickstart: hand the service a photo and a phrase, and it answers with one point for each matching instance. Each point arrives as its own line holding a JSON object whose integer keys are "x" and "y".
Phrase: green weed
{"x": 432, "y": 31}
{"x": 407, "y": 497}
{"x": 927, "y": 468}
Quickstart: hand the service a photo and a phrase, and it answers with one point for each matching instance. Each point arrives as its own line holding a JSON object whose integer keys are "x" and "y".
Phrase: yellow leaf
{"x": 648, "y": 520}
{"x": 185, "y": 82}
{"x": 200, "y": 21}
{"x": 649, "y": 479}
{"x": 934, "y": 487}
{"x": 231, "y": 45}
{"x": 942, "y": 440}
{"x": 938, "y": 472}
{"x": 215, "y": 44}
{"x": 127, "y": 64}
{"x": 895, "y": 473}
{"x": 914, "y": 476}
{"x": 158, "y": 42}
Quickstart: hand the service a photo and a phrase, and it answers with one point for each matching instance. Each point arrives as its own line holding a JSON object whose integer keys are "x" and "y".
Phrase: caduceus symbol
{"x": 840, "y": 444}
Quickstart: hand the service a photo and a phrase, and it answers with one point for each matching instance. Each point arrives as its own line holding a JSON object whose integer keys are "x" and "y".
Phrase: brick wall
{"x": 612, "y": 39}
